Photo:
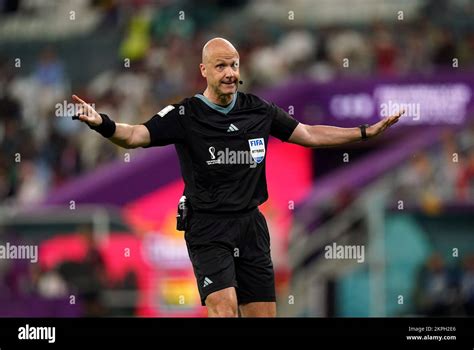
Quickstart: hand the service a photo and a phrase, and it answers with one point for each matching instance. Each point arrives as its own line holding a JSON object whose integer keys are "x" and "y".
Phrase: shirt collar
{"x": 216, "y": 107}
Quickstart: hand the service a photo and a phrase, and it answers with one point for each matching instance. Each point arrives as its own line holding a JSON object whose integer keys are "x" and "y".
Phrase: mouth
{"x": 231, "y": 83}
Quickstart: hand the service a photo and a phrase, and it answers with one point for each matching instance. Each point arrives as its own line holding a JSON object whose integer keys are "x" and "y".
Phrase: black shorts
{"x": 232, "y": 250}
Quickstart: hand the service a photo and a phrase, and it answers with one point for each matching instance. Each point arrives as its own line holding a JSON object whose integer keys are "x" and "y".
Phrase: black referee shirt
{"x": 222, "y": 151}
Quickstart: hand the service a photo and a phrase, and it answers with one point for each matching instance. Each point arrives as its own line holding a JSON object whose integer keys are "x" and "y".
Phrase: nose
{"x": 229, "y": 73}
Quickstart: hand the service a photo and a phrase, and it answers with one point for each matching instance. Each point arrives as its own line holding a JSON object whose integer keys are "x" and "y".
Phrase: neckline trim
{"x": 224, "y": 110}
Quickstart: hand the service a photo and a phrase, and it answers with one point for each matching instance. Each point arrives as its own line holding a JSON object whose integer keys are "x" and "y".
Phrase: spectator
{"x": 385, "y": 51}
{"x": 88, "y": 277}
{"x": 435, "y": 293}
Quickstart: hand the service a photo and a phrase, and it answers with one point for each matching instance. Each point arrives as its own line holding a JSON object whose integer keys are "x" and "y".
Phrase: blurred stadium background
{"x": 104, "y": 217}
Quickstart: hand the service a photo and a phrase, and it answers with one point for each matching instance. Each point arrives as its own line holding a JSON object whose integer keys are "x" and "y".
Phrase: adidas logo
{"x": 207, "y": 282}
{"x": 232, "y": 127}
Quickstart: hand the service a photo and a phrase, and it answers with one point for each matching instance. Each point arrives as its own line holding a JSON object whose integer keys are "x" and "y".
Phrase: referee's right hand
{"x": 86, "y": 113}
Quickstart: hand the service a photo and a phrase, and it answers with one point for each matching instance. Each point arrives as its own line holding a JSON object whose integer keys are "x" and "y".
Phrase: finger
{"x": 396, "y": 117}
{"x": 402, "y": 112}
{"x": 84, "y": 118}
{"x": 393, "y": 118}
{"x": 84, "y": 107}
{"x": 85, "y": 110}
{"x": 387, "y": 122}
{"x": 394, "y": 121}
{"x": 80, "y": 111}
{"x": 77, "y": 99}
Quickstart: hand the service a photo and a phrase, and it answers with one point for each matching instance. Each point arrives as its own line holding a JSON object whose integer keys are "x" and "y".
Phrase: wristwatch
{"x": 363, "y": 132}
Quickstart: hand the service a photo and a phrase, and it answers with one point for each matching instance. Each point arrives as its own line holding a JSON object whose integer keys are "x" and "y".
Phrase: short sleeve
{"x": 283, "y": 124}
{"x": 166, "y": 127}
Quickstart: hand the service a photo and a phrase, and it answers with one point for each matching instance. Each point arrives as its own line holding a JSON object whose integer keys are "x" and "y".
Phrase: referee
{"x": 221, "y": 137}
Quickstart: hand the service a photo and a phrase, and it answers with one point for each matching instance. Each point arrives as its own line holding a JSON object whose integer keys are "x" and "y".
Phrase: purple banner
{"x": 427, "y": 100}
{"x": 118, "y": 183}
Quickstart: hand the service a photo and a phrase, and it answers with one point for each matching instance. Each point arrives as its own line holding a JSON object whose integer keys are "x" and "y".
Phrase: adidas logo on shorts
{"x": 207, "y": 282}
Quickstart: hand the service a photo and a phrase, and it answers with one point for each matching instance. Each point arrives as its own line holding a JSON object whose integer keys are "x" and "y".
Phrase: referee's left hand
{"x": 383, "y": 124}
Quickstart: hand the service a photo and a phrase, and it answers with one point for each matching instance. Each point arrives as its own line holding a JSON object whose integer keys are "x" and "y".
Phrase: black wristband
{"x": 363, "y": 131}
{"x": 106, "y": 128}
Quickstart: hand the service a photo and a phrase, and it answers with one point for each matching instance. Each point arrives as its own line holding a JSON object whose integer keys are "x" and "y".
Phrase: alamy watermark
{"x": 68, "y": 109}
{"x": 10, "y": 251}
{"x": 393, "y": 108}
{"x": 37, "y": 333}
{"x": 336, "y": 251}
{"x": 228, "y": 156}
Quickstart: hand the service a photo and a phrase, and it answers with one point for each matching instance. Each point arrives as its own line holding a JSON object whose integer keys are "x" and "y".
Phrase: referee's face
{"x": 221, "y": 70}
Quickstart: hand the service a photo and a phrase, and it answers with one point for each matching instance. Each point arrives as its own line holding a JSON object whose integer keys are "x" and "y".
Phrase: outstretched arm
{"x": 125, "y": 135}
{"x": 327, "y": 136}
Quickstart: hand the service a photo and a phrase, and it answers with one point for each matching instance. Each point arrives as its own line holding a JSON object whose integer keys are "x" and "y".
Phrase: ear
{"x": 202, "y": 67}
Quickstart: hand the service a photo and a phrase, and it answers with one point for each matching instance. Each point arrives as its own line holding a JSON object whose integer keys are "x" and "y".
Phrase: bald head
{"x": 220, "y": 67}
{"x": 218, "y": 47}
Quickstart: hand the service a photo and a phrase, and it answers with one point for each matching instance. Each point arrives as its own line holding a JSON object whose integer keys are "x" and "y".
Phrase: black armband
{"x": 106, "y": 128}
